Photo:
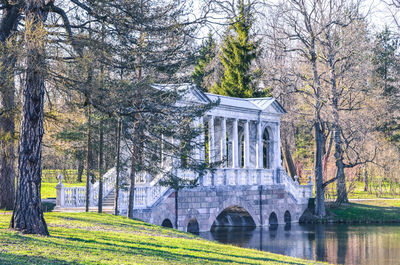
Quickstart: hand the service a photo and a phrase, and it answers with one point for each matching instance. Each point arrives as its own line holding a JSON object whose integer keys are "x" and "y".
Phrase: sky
{"x": 379, "y": 14}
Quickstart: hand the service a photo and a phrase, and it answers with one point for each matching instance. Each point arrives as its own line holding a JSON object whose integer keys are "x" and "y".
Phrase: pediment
{"x": 268, "y": 105}
{"x": 190, "y": 93}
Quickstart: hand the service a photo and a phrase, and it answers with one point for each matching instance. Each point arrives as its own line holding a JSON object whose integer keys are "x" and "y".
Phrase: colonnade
{"x": 243, "y": 143}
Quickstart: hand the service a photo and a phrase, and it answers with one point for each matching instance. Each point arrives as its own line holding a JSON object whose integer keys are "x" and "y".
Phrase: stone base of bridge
{"x": 202, "y": 208}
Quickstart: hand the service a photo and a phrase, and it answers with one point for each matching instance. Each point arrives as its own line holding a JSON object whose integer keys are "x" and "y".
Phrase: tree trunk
{"x": 81, "y": 166}
{"x": 288, "y": 157}
{"x": 176, "y": 209}
{"x": 365, "y": 179}
{"x": 319, "y": 139}
{"x": 132, "y": 186}
{"x": 118, "y": 166}
{"x": 88, "y": 159}
{"x": 319, "y": 189}
{"x": 134, "y": 167}
{"x": 7, "y": 130}
{"x": 8, "y": 24}
{"x": 28, "y": 215}
{"x": 100, "y": 203}
{"x": 341, "y": 177}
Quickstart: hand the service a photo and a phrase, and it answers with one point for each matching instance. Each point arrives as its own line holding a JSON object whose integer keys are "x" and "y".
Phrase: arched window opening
{"x": 167, "y": 223}
{"x": 266, "y": 149}
{"x": 227, "y": 155}
{"x": 242, "y": 151}
{"x": 193, "y": 226}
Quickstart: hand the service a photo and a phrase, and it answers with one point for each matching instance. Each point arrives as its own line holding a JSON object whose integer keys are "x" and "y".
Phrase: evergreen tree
{"x": 238, "y": 52}
{"x": 206, "y": 54}
{"x": 385, "y": 80}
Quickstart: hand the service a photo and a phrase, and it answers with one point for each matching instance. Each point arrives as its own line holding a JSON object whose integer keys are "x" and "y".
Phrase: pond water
{"x": 336, "y": 243}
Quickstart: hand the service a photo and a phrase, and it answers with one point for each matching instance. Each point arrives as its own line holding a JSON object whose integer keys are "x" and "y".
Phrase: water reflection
{"x": 339, "y": 244}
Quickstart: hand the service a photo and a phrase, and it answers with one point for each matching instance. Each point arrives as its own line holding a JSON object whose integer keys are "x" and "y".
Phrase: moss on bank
{"x": 91, "y": 238}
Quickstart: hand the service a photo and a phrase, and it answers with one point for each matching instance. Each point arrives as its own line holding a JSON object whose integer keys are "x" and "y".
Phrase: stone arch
{"x": 287, "y": 217}
{"x": 234, "y": 216}
{"x": 167, "y": 223}
{"x": 234, "y": 200}
{"x": 192, "y": 214}
{"x": 267, "y": 144}
{"x": 273, "y": 219}
{"x": 193, "y": 226}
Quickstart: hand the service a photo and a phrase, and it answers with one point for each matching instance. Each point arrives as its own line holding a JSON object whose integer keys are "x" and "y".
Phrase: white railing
{"x": 240, "y": 176}
{"x": 300, "y": 192}
{"x": 123, "y": 201}
{"x": 76, "y": 196}
{"x": 144, "y": 197}
{"x": 147, "y": 192}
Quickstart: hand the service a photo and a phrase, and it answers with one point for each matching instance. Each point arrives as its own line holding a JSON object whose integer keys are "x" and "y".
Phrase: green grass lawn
{"x": 91, "y": 238}
{"x": 359, "y": 193}
{"x": 356, "y": 191}
{"x": 49, "y": 189}
{"x": 368, "y": 211}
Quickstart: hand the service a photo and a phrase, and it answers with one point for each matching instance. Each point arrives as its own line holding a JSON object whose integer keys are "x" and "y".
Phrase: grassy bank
{"x": 356, "y": 190}
{"x": 368, "y": 211}
{"x": 90, "y": 238}
{"x": 48, "y": 190}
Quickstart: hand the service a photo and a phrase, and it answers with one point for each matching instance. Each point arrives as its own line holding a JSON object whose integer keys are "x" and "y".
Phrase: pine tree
{"x": 385, "y": 79}
{"x": 206, "y": 54}
{"x": 238, "y": 52}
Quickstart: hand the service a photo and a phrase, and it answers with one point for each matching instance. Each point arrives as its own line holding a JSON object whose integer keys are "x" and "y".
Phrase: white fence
{"x": 300, "y": 192}
{"x": 76, "y": 196}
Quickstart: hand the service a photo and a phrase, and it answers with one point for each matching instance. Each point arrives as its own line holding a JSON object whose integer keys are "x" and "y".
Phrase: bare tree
{"x": 298, "y": 25}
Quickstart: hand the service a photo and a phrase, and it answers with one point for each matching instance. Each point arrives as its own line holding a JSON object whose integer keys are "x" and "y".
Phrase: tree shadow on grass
{"x": 134, "y": 225}
{"x": 13, "y": 259}
{"x": 153, "y": 250}
{"x": 128, "y": 223}
{"x": 101, "y": 243}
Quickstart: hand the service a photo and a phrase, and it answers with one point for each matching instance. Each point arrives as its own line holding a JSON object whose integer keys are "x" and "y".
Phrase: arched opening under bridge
{"x": 167, "y": 223}
{"x": 193, "y": 226}
{"x": 234, "y": 216}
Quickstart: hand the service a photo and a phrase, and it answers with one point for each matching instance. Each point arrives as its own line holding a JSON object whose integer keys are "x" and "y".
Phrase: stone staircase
{"x": 109, "y": 200}
{"x": 108, "y": 206}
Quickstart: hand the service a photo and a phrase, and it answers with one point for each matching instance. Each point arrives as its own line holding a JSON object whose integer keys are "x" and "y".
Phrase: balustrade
{"x": 147, "y": 193}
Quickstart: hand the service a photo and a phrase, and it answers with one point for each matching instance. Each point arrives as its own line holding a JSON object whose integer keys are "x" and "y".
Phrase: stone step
{"x": 109, "y": 200}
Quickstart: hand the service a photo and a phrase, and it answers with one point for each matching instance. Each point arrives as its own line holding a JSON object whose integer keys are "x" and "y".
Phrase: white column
{"x": 199, "y": 150}
{"x": 278, "y": 146}
{"x": 60, "y": 200}
{"x": 260, "y": 163}
{"x": 223, "y": 142}
{"x": 202, "y": 143}
{"x": 235, "y": 144}
{"x": 246, "y": 145}
{"x": 211, "y": 139}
